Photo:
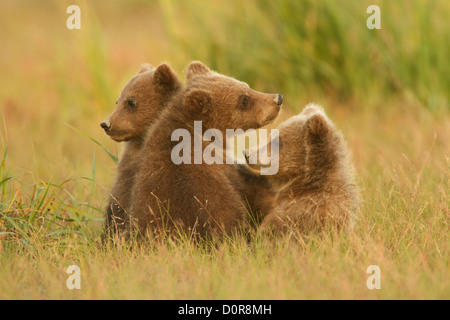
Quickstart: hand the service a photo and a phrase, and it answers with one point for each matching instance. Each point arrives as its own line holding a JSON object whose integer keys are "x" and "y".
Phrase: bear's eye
{"x": 245, "y": 101}
{"x": 131, "y": 102}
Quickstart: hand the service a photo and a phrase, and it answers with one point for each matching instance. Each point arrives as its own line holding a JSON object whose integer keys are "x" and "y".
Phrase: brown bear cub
{"x": 315, "y": 185}
{"x": 192, "y": 197}
{"x": 139, "y": 105}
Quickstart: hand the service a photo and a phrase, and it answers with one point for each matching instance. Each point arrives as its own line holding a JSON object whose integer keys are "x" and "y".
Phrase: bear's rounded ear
{"x": 317, "y": 126}
{"x": 145, "y": 67}
{"x": 196, "y": 68}
{"x": 312, "y": 108}
{"x": 164, "y": 75}
{"x": 198, "y": 100}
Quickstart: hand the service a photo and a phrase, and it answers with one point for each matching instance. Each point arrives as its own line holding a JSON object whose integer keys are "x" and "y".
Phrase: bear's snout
{"x": 106, "y": 124}
{"x": 278, "y": 99}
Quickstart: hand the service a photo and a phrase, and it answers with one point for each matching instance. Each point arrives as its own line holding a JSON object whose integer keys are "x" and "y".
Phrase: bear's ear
{"x": 196, "y": 68}
{"x": 312, "y": 108}
{"x": 198, "y": 101}
{"x": 165, "y": 76}
{"x": 145, "y": 67}
{"x": 317, "y": 126}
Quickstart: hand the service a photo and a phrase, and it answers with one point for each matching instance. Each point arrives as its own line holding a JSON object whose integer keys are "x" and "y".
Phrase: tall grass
{"x": 402, "y": 227}
{"x": 316, "y": 49}
{"x": 35, "y": 214}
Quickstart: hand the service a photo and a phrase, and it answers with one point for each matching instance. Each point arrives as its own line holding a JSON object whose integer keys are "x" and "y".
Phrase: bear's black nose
{"x": 106, "y": 125}
{"x": 279, "y": 99}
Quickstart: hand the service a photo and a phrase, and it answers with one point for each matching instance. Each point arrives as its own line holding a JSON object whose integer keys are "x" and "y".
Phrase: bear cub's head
{"x": 141, "y": 101}
{"x": 310, "y": 149}
{"x": 222, "y": 102}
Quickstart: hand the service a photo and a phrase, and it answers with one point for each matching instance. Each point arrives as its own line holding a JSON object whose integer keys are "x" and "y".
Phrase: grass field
{"x": 388, "y": 91}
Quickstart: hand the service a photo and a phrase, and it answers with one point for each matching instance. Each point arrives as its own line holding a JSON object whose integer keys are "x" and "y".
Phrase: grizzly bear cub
{"x": 315, "y": 186}
{"x": 139, "y": 105}
{"x": 193, "y": 197}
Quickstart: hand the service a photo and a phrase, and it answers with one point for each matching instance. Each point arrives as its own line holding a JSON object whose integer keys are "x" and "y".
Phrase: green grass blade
{"x": 113, "y": 157}
{"x": 16, "y": 226}
{"x": 39, "y": 205}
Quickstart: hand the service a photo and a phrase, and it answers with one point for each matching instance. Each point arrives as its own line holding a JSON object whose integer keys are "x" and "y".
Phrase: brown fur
{"x": 257, "y": 192}
{"x": 196, "y": 198}
{"x": 315, "y": 187}
{"x": 150, "y": 91}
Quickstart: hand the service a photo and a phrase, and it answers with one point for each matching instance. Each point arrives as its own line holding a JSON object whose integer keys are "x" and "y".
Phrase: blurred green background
{"x": 321, "y": 49}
